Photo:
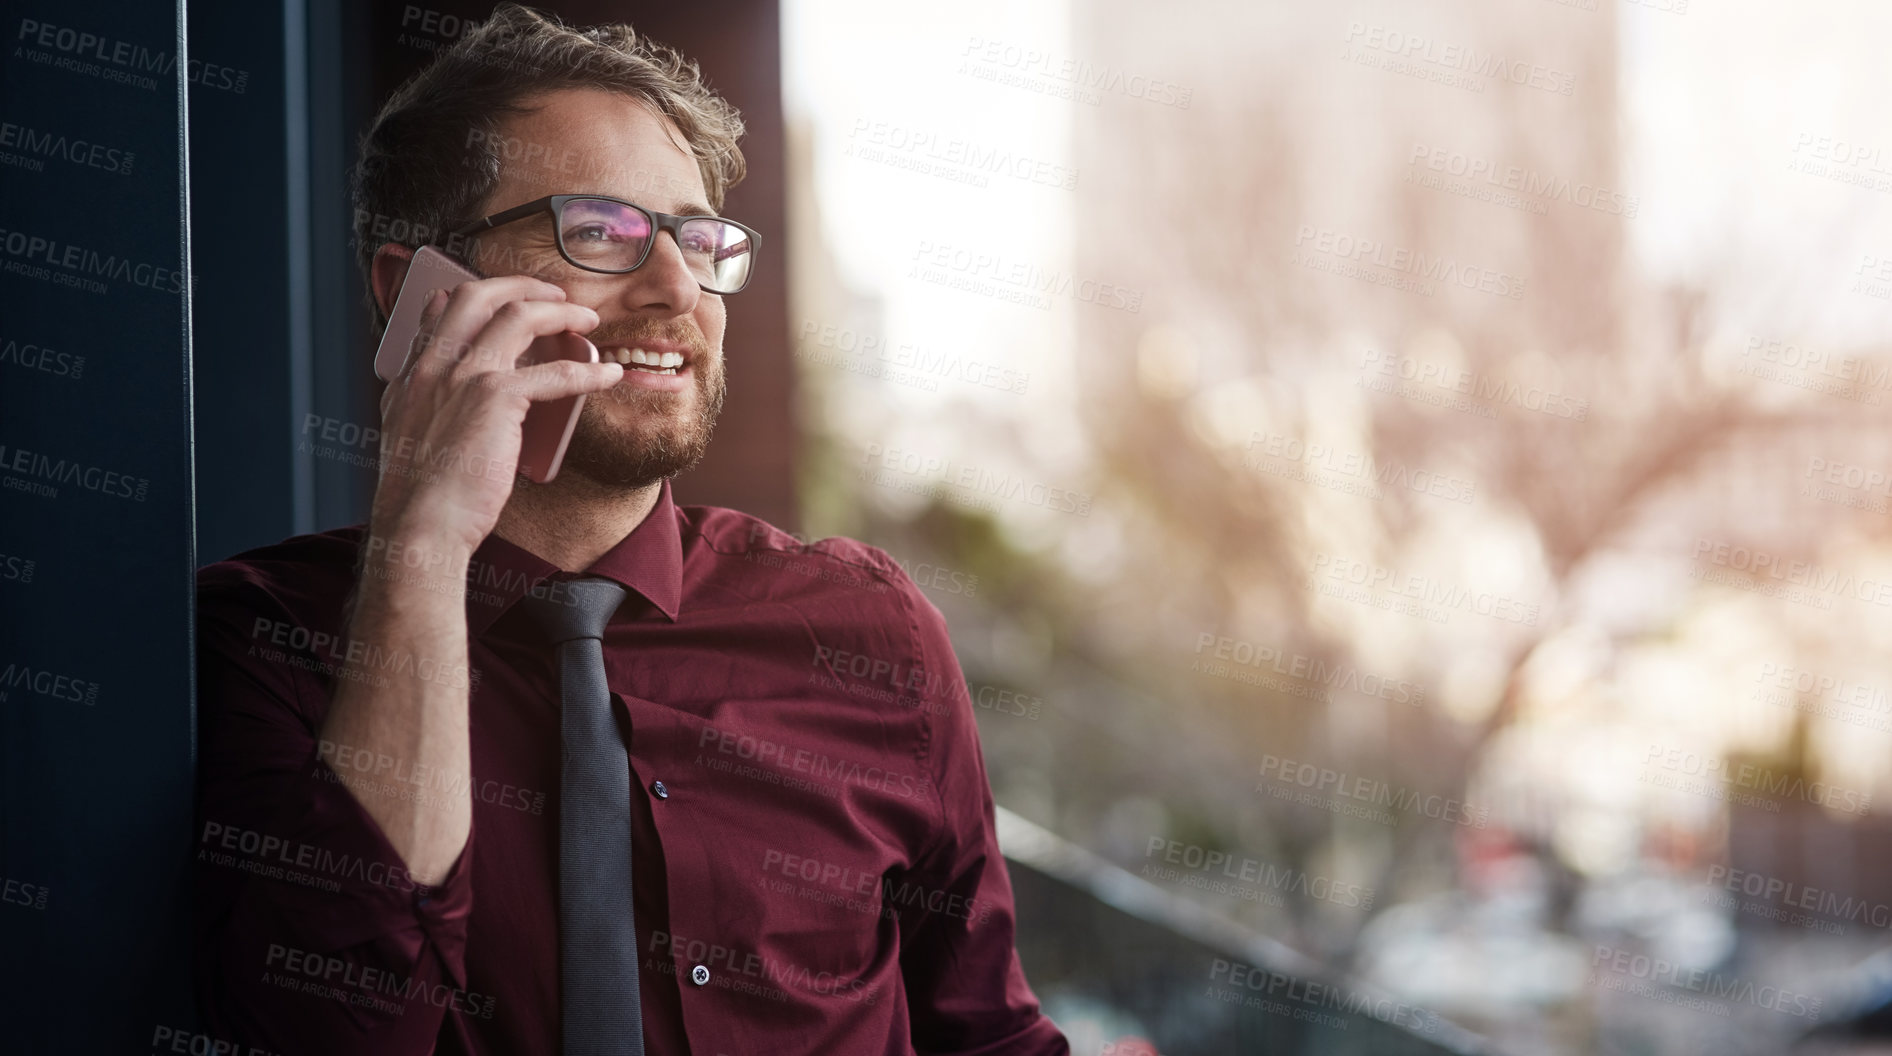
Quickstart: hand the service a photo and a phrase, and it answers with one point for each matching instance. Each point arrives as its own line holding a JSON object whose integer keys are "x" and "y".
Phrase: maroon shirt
{"x": 816, "y": 869}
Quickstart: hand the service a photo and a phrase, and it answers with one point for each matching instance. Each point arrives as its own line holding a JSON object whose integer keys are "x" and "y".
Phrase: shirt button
{"x": 658, "y": 788}
{"x": 699, "y": 974}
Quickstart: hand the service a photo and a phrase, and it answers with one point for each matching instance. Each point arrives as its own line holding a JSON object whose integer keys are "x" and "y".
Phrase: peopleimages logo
{"x": 326, "y": 975}
{"x": 1770, "y": 357}
{"x": 119, "y": 60}
{"x": 279, "y": 858}
{"x": 83, "y": 266}
{"x": 984, "y": 272}
{"x": 92, "y": 46}
{"x": 17, "y": 569}
{"x": 1799, "y": 681}
{"x": 1354, "y": 472}
{"x": 1341, "y": 245}
{"x": 1647, "y": 976}
{"x": 873, "y": 892}
{"x": 906, "y": 362}
{"x": 46, "y": 683}
{"x": 1322, "y": 779}
{"x": 1197, "y": 861}
{"x": 1431, "y": 594}
{"x": 1485, "y": 177}
{"x": 1799, "y": 896}
{"x": 1293, "y": 992}
{"x": 925, "y": 151}
{"x": 881, "y": 464}
{"x": 819, "y": 765}
{"x": 1418, "y": 48}
{"x": 38, "y": 473}
{"x": 1237, "y": 654}
{"x": 1719, "y": 775}
{"x": 1805, "y": 581}
{"x": 1066, "y": 77}
{"x": 1461, "y": 381}
{"x": 29, "y": 356}
{"x": 43, "y": 144}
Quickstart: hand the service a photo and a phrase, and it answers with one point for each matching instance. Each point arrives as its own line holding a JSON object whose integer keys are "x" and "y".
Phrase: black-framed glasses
{"x": 599, "y": 233}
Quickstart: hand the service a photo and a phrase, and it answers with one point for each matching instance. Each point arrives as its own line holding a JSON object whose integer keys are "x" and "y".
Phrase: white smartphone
{"x": 547, "y": 431}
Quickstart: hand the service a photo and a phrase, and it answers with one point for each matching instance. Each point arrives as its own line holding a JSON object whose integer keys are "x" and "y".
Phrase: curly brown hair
{"x": 433, "y": 154}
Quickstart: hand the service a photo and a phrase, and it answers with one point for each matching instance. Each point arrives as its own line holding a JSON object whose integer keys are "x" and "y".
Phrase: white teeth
{"x": 651, "y": 358}
{"x": 649, "y": 362}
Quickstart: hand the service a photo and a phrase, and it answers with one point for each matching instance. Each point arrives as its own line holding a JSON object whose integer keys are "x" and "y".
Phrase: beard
{"x": 631, "y": 438}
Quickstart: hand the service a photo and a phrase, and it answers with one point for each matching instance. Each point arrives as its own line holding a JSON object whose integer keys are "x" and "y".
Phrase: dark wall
{"x": 95, "y": 526}
{"x": 282, "y": 396}
{"x": 249, "y": 480}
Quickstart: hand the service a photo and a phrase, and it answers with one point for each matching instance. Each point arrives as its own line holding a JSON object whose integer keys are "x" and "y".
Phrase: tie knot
{"x": 579, "y": 608}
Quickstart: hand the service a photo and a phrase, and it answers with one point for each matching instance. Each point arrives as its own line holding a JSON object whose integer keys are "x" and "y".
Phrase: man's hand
{"x": 450, "y": 423}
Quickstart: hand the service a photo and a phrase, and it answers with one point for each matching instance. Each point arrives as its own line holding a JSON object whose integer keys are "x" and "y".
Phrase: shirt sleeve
{"x": 308, "y": 933}
{"x": 966, "y": 991}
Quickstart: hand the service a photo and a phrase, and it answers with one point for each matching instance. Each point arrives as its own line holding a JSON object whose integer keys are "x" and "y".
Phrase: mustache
{"x": 631, "y": 334}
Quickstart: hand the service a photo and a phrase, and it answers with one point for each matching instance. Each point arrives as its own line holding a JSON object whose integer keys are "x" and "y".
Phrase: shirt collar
{"x": 648, "y": 561}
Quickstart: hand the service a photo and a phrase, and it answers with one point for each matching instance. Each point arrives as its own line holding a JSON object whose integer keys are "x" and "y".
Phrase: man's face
{"x": 582, "y": 141}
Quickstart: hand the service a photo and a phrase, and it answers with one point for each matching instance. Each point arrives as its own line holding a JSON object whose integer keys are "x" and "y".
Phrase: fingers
{"x": 505, "y": 337}
{"x": 512, "y": 329}
{"x": 556, "y": 380}
{"x": 455, "y": 335}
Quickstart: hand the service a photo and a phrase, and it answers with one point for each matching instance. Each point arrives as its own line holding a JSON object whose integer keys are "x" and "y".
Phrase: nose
{"x": 664, "y": 282}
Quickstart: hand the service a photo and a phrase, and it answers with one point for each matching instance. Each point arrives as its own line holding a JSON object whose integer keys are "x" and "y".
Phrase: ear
{"x": 386, "y": 272}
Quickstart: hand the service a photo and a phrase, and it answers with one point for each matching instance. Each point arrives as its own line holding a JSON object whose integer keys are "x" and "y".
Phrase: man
{"x": 564, "y": 767}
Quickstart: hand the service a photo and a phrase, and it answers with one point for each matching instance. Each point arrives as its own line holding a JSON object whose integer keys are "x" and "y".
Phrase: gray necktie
{"x": 597, "y": 942}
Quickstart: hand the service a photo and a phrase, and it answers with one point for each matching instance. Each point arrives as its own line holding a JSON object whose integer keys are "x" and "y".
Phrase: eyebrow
{"x": 693, "y": 209}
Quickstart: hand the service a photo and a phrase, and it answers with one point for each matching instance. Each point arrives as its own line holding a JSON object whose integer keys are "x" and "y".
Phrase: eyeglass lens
{"x": 612, "y": 237}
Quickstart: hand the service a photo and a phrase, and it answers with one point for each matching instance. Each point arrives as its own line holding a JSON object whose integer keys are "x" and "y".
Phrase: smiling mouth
{"x": 639, "y": 359}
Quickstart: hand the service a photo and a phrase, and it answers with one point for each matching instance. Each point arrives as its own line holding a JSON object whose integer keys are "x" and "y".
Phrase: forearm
{"x": 400, "y": 707}
{"x": 291, "y": 872}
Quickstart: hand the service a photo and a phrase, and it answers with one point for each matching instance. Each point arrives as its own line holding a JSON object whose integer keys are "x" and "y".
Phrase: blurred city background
{"x": 1422, "y": 467}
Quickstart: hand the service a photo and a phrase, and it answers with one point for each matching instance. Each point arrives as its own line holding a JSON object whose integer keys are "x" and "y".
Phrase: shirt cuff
{"x": 335, "y": 872}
